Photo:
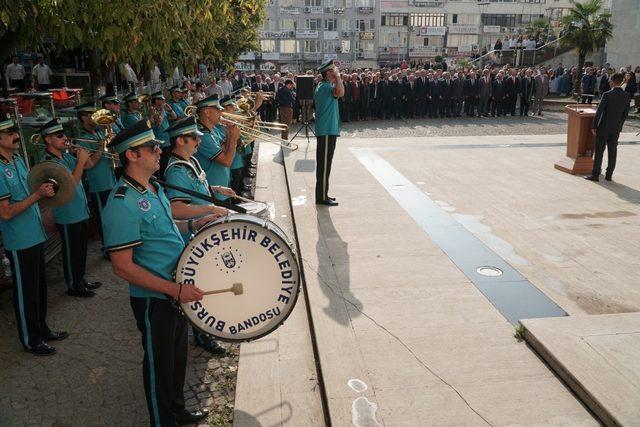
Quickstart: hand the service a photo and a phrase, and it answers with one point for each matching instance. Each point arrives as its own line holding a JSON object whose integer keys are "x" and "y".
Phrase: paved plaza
{"x": 399, "y": 331}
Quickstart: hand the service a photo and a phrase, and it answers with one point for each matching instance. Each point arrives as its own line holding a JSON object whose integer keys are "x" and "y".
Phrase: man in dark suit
{"x": 498, "y": 96}
{"x": 409, "y": 97}
{"x": 484, "y": 93}
{"x": 527, "y": 89}
{"x": 421, "y": 94}
{"x": 607, "y": 124}
{"x": 432, "y": 96}
{"x": 387, "y": 98}
{"x": 355, "y": 97}
{"x": 364, "y": 98}
{"x": 471, "y": 94}
{"x": 444, "y": 95}
{"x": 396, "y": 95}
{"x": 512, "y": 88}
{"x": 457, "y": 94}
{"x": 346, "y": 100}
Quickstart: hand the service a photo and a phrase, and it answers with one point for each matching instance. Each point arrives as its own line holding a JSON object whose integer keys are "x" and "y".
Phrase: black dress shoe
{"x": 211, "y": 346}
{"x": 42, "y": 349}
{"x": 607, "y": 177}
{"x": 56, "y": 336}
{"x": 92, "y": 285}
{"x": 192, "y": 417}
{"x": 331, "y": 198}
{"x": 327, "y": 202}
{"x": 82, "y": 293}
{"x": 594, "y": 178}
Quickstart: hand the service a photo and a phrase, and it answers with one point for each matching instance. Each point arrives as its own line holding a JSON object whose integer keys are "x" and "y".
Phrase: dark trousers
{"x": 587, "y": 100}
{"x": 74, "y": 253}
{"x": 237, "y": 176}
{"x": 610, "y": 142}
{"x": 524, "y": 105}
{"x": 17, "y": 83}
{"x": 354, "y": 110}
{"x": 164, "y": 340}
{"x": 483, "y": 106}
{"x": 456, "y": 106}
{"x": 444, "y": 107}
{"x": 99, "y": 201}
{"x": 497, "y": 107}
{"x": 511, "y": 104}
{"x": 324, "y": 157}
{"x": 470, "y": 105}
{"x": 29, "y": 294}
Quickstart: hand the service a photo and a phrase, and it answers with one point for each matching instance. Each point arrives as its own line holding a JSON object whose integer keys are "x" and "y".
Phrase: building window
{"x": 425, "y": 41}
{"x": 345, "y": 46}
{"x": 365, "y": 45}
{"x": 457, "y": 40}
{"x": 454, "y": 18}
{"x": 365, "y": 24}
{"x": 329, "y": 46}
{"x": 288, "y": 3}
{"x": 312, "y": 24}
{"x": 312, "y": 2}
{"x": 508, "y": 20}
{"x": 288, "y": 46}
{"x": 331, "y": 24}
{"x": 427, "y": 19}
{"x": 346, "y": 25}
{"x": 394, "y": 20}
{"x": 268, "y": 46}
{"x": 312, "y": 46}
{"x": 329, "y": 3}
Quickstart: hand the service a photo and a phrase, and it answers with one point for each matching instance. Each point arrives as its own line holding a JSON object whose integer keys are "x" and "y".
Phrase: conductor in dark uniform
{"x": 607, "y": 124}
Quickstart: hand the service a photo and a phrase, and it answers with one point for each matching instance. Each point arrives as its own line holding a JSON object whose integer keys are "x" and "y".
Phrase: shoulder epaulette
{"x": 121, "y": 191}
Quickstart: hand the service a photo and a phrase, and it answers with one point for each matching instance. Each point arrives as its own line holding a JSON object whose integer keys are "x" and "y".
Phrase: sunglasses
{"x": 59, "y": 135}
{"x": 154, "y": 145}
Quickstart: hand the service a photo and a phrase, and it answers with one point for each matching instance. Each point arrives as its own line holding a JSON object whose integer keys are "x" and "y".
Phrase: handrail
{"x": 494, "y": 51}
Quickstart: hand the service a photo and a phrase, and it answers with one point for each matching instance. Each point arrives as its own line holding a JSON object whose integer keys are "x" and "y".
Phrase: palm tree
{"x": 586, "y": 28}
{"x": 537, "y": 26}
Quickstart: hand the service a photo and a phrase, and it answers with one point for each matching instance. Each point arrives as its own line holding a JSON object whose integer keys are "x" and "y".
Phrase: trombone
{"x": 251, "y": 129}
{"x": 36, "y": 141}
{"x": 247, "y": 90}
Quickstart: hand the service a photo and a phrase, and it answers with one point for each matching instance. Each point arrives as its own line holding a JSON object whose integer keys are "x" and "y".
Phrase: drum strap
{"x": 194, "y": 166}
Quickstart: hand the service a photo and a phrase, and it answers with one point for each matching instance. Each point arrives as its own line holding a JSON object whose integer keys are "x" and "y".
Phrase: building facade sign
{"x": 423, "y": 51}
{"x": 277, "y": 34}
{"x": 432, "y": 31}
{"x": 330, "y": 35}
{"x": 307, "y": 34}
{"x": 491, "y": 29}
{"x": 463, "y": 29}
{"x": 271, "y": 56}
{"x": 365, "y": 10}
{"x": 289, "y": 10}
{"x": 338, "y": 11}
{"x": 267, "y": 66}
{"x": 244, "y": 66}
{"x": 421, "y": 3}
{"x": 247, "y": 56}
{"x": 328, "y": 56}
{"x": 367, "y": 35}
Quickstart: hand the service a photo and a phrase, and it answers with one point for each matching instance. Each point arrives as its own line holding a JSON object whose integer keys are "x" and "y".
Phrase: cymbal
{"x": 62, "y": 180}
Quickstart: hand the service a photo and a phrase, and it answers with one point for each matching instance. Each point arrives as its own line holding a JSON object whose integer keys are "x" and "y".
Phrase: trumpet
{"x": 36, "y": 141}
{"x": 250, "y": 130}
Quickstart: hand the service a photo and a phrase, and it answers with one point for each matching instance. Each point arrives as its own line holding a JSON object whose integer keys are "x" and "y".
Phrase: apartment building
{"x": 300, "y": 34}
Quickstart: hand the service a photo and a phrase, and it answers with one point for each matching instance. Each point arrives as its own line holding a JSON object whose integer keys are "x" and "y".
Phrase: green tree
{"x": 114, "y": 31}
{"x": 537, "y": 27}
{"x": 586, "y": 28}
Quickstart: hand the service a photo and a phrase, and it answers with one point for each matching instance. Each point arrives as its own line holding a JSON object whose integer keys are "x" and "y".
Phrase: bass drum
{"x": 249, "y": 272}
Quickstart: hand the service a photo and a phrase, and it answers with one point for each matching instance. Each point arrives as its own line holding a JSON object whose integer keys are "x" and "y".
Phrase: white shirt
{"x": 42, "y": 73}
{"x": 227, "y": 87}
{"x": 211, "y": 89}
{"x": 155, "y": 75}
{"x": 130, "y": 75}
{"x": 15, "y": 71}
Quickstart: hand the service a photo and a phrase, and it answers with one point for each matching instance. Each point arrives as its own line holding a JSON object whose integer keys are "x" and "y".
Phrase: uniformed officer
{"x": 161, "y": 114}
{"x": 327, "y": 127}
{"x": 71, "y": 219}
{"x": 23, "y": 238}
{"x": 185, "y": 171}
{"x": 238, "y": 164}
{"x": 145, "y": 244}
{"x": 132, "y": 112}
{"x": 112, "y": 103}
{"x": 218, "y": 143}
{"x": 101, "y": 178}
{"x": 176, "y": 105}
{"x": 185, "y": 97}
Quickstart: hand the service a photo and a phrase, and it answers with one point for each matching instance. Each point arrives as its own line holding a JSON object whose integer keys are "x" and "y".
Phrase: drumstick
{"x": 236, "y": 289}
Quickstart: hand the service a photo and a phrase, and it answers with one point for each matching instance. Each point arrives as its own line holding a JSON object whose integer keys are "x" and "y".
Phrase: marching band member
{"x": 185, "y": 171}
{"x": 185, "y": 97}
{"x": 161, "y": 114}
{"x": 132, "y": 113}
{"x": 71, "y": 219}
{"x": 176, "y": 105}
{"x": 101, "y": 178}
{"x": 23, "y": 238}
{"x": 218, "y": 143}
{"x": 112, "y": 103}
{"x": 144, "y": 245}
{"x": 238, "y": 164}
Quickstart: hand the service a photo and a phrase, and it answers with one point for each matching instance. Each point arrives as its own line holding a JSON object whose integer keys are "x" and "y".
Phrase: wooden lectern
{"x": 580, "y": 140}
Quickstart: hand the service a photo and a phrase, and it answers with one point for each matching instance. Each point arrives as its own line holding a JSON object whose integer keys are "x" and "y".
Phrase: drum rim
{"x": 294, "y": 301}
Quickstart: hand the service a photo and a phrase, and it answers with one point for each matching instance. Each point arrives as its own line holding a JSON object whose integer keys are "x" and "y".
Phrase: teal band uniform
{"x": 101, "y": 177}
{"x": 210, "y": 148}
{"x": 238, "y": 159}
{"x": 117, "y": 126}
{"x": 161, "y": 131}
{"x": 137, "y": 218}
{"x": 184, "y": 103}
{"x": 129, "y": 119}
{"x": 25, "y": 229}
{"x": 188, "y": 174}
{"x": 76, "y": 210}
{"x": 326, "y": 106}
{"x": 177, "y": 108}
